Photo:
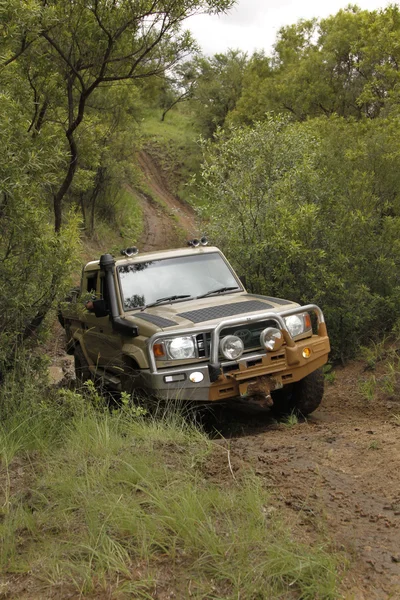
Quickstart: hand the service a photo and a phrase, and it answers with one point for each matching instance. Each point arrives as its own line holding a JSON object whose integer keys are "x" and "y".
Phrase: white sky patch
{"x": 253, "y": 24}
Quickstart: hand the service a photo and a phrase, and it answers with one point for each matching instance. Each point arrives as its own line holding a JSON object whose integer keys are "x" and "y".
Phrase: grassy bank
{"x": 174, "y": 145}
{"x": 112, "y": 503}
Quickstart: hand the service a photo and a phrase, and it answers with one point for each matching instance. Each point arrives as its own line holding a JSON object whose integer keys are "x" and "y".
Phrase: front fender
{"x": 137, "y": 354}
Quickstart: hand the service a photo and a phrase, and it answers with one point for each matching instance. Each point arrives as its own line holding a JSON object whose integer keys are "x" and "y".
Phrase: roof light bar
{"x": 195, "y": 243}
{"x": 129, "y": 252}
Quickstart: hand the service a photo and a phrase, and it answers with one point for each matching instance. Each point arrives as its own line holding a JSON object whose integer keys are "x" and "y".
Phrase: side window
{"x": 91, "y": 283}
{"x": 103, "y": 289}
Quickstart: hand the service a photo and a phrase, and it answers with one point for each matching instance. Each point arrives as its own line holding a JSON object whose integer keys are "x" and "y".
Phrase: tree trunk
{"x": 99, "y": 182}
{"x": 58, "y": 197}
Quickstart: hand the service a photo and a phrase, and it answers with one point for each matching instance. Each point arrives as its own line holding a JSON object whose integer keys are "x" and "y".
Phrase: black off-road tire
{"x": 82, "y": 370}
{"x": 302, "y": 397}
{"x": 308, "y": 393}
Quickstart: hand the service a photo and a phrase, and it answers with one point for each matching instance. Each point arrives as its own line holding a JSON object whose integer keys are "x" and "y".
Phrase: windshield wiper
{"x": 219, "y": 291}
{"x": 166, "y": 299}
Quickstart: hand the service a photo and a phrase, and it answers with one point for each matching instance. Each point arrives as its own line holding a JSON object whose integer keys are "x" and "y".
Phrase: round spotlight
{"x": 271, "y": 338}
{"x": 195, "y": 243}
{"x": 232, "y": 347}
{"x": 132, "y": 251}
{"x": 306, "y": 352}
{"x": 204, "y": 241}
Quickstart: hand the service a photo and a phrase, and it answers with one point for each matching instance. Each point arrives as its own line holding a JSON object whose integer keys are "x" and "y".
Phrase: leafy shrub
{"x": 310, "y": 218}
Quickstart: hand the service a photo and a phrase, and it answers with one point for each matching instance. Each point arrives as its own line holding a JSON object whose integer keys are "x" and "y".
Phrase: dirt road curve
{"x": 338, "y": 475}
{"x": 167, "y": 222}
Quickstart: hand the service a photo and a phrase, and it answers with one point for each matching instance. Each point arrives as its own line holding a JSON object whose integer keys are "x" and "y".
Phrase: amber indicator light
{"x": 158, "y": 350}
{"x": 307, "y": 352}
{"x": 307, "y": 321}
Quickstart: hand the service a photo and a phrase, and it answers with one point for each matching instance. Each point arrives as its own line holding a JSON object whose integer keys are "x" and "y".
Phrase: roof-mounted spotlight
{"x": 194, "y": 243}
{"x": 129, "y": 252}
{"x": 204, "y": 241}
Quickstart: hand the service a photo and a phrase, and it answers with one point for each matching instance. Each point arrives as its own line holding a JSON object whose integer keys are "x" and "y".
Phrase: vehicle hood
{"x": 207, "y": 311}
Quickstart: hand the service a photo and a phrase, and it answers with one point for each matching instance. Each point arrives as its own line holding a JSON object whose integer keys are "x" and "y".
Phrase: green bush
{"x": 313, "y": 216}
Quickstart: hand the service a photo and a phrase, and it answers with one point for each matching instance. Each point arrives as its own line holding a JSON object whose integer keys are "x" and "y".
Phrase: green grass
{"x": 124, "y": 225}
{"x": 117, "y": 503}
{"x": 174, "y": 143}
{"x": 290, "y": 421}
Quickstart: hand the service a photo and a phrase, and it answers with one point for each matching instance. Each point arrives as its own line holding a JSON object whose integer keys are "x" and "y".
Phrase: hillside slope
{"x": 167, "y": 221}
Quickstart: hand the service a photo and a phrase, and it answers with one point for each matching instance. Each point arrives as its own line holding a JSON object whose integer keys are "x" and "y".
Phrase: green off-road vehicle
{"x": 178, "y": 324}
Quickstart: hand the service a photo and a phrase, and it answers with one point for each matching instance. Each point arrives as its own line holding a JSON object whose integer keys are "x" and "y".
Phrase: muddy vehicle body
{"x": 180, "y": 324}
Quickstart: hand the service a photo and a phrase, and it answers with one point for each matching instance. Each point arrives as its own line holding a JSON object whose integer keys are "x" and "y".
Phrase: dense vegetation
{"x": 302, "y": 150}
{"x": 306, "y": 168}
{"x": 69, "y": 131}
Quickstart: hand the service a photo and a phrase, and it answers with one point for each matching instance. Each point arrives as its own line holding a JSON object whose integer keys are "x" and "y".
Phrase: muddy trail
{"x": 337, "y": 476}
{"x": 167, "y": 221}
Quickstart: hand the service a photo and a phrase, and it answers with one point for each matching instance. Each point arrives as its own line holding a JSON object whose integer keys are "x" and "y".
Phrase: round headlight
{"x": 271, "y": 338}
{"x": 231, "y": 347}
{"x": 181, "y": 347}
{"x": 295, "y": 324}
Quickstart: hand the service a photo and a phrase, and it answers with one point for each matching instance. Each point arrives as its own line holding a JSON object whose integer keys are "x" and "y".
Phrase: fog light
{"x": 231, "y": 347}
{"x": 271, "y": 338}
{"x": 307, "y": 352}
{"x": 196, "y": 377}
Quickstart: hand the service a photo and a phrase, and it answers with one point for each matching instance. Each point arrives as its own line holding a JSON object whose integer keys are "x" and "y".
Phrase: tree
{"x": 217, "y": 89}
{"x": 179, "y": 87}
{"x": 34, "y": 261}
{"x": 69, "y": 50}
{"x": 314, "y": 216}
{"x": 346, "y": 64}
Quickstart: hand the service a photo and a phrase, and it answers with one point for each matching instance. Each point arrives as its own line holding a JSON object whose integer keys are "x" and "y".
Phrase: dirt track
{"x": 337, "y": 475}
{"x": 167, "y": 222}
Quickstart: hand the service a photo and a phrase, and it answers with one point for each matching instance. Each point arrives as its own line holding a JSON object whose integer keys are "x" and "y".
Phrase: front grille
{"x": 203, "y": 345}
{"x": 249, "y": 333}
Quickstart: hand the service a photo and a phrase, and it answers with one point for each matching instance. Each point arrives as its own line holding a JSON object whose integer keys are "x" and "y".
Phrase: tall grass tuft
{"x": 116, "y": 502}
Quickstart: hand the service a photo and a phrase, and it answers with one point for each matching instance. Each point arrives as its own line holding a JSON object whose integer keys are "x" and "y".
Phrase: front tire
{"x": 82, "y": 370}
{"x": 302, "y": 398}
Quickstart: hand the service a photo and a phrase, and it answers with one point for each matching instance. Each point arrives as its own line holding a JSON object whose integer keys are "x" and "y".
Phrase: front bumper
{"x": 276, "y": 369}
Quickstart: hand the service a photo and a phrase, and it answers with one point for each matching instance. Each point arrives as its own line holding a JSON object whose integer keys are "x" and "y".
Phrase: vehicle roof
{"x": 156, "y": 255}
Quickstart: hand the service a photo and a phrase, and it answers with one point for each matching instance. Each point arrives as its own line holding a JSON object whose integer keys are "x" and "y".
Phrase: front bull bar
{"x": 216, "y": 330}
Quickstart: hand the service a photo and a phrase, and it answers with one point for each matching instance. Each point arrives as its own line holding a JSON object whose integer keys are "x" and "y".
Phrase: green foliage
{"x": 174, "y": 145}
{"x": 311, "y": 219}
{"x": 113, "y": 496}
{"x": 367, "y": 388}
{"x": 346, "y": 64}
{"x": 217, "y": 88}
{"x": 329, "y": 373}
{"x": 68, "y": 54}
{"x": 34, "y": 262}
{"x": 290, "y": 421}
{"x": 383, "y": 358}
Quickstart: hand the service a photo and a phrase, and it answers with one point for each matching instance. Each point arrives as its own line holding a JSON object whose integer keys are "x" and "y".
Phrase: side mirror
{"x": 243, "y": 280}
{"x": 100, "y": 308}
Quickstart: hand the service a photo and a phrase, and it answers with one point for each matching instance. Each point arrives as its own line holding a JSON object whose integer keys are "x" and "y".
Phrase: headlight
{"x": 180, "y": 348}
{"x": 231, "y": 347}
{"x": 298, "y": 324}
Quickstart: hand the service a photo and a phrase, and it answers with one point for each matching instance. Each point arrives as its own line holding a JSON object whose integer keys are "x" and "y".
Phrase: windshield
{"x": 195, "y": 275}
